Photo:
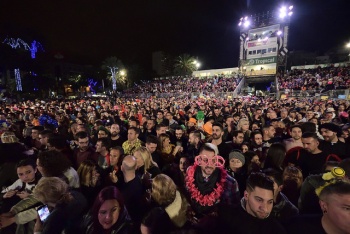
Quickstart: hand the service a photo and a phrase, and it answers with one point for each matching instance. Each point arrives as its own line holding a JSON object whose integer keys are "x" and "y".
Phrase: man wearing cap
{"x": 191, "y": 125}
{"x": 331, "y": 143}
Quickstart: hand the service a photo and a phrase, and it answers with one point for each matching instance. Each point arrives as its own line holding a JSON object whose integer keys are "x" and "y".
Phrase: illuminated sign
{"x": 260, "y": 61}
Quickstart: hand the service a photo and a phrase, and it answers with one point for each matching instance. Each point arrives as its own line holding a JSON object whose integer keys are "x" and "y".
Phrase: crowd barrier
{"x": 330, "y": 94}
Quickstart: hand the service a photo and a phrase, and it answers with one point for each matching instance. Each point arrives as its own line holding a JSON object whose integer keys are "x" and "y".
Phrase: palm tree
{"x": 184, "y": 65}
{"x": 112, "y": 64}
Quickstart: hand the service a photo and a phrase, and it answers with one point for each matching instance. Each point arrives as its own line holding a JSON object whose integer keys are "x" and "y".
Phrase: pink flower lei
{"x": 209, "y": 199}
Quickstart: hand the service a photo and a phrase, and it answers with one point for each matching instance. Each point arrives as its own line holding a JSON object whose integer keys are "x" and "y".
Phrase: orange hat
{"x": 192, "y": 120}
{"x": 208, "y": 128}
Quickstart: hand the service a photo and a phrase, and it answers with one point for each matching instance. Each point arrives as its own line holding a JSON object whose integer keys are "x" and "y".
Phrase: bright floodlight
{"x": 279, "y": 33}
{"x": 246, "y": 23}
{"x": 196, "y": 63}
{"x": 122, "y": 73}
{"x": 284, "y": 11}
{"x": 282, "y": 15}
{"x": 348, "y": 45}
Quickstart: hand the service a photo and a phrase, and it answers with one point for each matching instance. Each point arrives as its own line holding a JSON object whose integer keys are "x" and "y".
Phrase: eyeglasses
{"x": 214, "y": 161}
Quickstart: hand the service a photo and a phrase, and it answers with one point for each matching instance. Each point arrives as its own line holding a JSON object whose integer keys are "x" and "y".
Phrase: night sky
{"x": 86, "y": 32}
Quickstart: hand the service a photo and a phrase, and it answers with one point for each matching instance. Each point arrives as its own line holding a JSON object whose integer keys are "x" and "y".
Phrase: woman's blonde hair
{"x": 146, "y": 156}
{"x": 52, "y": 189}
{"x": 163, "y": 190}
{"x": 240, "y": 123}
{"x": 85, "y": 172}
{"x": 161, "y": 139}
{"x": 8, "y": 137}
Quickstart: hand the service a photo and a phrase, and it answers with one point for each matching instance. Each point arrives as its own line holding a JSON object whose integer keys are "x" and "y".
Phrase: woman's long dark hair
{"x": 275, "y": 156}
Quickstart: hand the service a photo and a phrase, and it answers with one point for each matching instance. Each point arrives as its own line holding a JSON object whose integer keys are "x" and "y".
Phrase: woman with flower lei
{"x": 208, "y": 185}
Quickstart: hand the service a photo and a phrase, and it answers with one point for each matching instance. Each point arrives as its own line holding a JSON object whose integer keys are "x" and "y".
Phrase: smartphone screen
{"x": 43, "y": 212}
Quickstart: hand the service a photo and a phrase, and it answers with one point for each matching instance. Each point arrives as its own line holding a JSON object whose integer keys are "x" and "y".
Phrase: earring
{"x": 324, "y": 211}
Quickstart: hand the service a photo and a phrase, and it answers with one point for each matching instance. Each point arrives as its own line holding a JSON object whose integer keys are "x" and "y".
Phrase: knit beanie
{"x": 237, "y": 155}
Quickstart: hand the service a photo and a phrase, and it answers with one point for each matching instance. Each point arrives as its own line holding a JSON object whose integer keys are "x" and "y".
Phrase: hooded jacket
{"x": 284, "y": 209}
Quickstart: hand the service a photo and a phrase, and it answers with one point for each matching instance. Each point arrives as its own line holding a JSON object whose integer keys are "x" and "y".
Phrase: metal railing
{"x": 260, "y": 72}
{"x": 331, "y": 94}
{"x": 157, "y": 95}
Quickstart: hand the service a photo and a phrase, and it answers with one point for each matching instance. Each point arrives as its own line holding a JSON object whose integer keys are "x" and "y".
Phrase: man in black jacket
{"x": 253, "y": 214}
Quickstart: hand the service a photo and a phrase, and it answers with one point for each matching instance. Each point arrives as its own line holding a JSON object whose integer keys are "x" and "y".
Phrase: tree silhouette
{"x": 185, "y": 64}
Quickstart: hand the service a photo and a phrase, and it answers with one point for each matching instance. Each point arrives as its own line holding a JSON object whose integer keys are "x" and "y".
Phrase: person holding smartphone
{"x": 62, "y": 208}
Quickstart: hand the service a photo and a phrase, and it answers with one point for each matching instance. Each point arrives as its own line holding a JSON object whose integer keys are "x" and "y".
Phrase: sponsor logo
{"x": 259, "y": 61}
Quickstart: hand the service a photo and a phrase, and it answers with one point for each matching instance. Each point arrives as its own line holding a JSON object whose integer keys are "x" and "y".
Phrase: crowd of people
{"x": 176, "y": 165}
{"x": 319, "y": 80}
{"x": 189, "y": 84}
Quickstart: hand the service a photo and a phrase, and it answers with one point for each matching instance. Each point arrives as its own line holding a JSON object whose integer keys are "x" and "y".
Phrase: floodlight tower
{"x": 244, "y": 24}
{"x": 284, "y": 18}
{"x": 264, "y": 42}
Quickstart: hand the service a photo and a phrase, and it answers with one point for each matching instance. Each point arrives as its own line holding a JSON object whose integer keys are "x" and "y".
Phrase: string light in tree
{"x": 35, "y": 46}
{"x": 16, "y": 43}
{"x": 19, "y": 43}
{"x": 92, "y": 85}
{"x": 18, "y": 80}
{"x": 113, "y": 71}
